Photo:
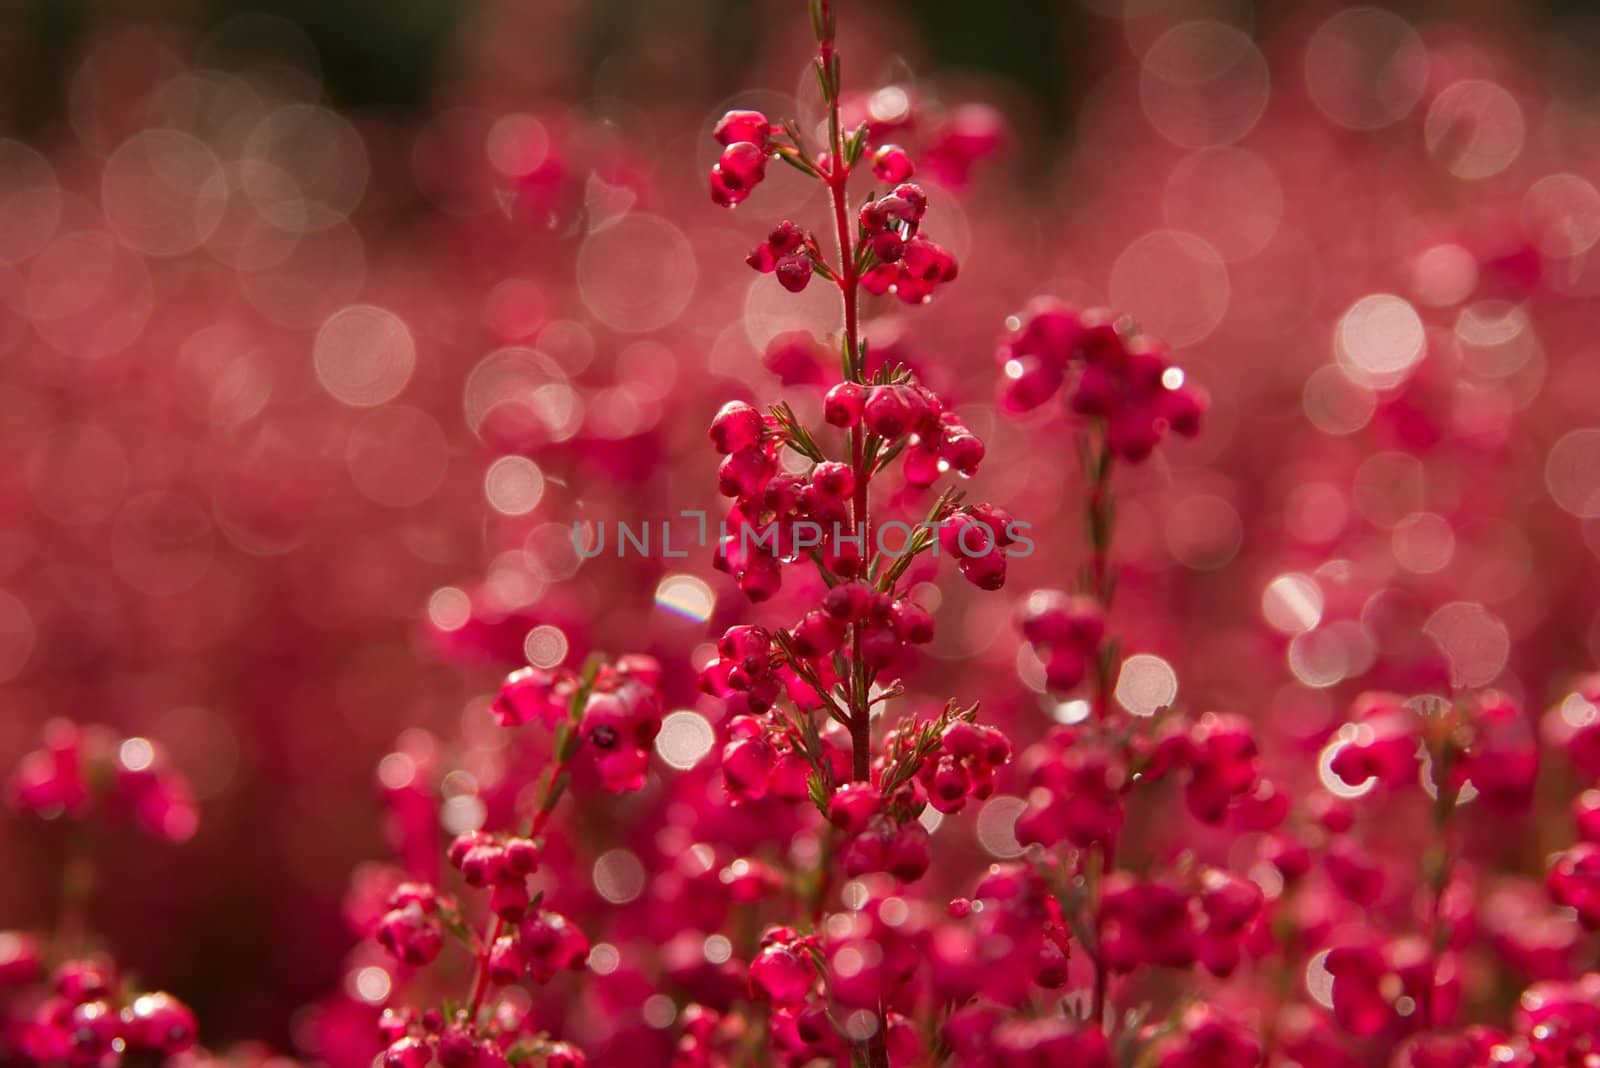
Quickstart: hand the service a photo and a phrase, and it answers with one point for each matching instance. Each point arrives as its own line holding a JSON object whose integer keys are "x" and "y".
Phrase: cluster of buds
{"x": 1065, "y": 631}
{"x": 89, "y": 1019}
{"x": 1380, "y": 983}
{"x": 937, "y": 440}
{"x": 950, "y": 145}
{"x": 1079, "y": 779}
{"x": 981, "y": 538}
{"x": 868, "y": 961}
{"x": 80, "y": 770}
{"x": 1123, "y": 378}
{"x": 746, "y": 137}
{"x": 965, "y": 765}
{"x": 759, "y": 760}
{"x": 880, "y": 834}
{"x": 790, "y": 254}
{"x": 784, "y": 969}
{"x": 420, "y": 1039}
{"x": 1145, "y": 922}
{"x": 1485, "y": 741}
{"x": 902, "y": 261}
{"x": 746, "y": 671}
{"x": 412, "y": 929}
{"x": 617, "y": 714}
{"x": 1002, "y": 944}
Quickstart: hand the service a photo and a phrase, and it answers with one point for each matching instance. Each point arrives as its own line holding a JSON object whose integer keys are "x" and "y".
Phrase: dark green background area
{"x": 385, "y": 55}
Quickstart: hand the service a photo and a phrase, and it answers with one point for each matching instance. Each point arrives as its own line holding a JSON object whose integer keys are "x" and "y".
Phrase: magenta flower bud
{"x": 916, "y": 200}
{"x": 948, "y": 790}
{"x": 1289, "y": 856}
{"x": 786, "y": 237}
{"x": 892, "y": 164}
{"x": 910, "y": 852}
{"x": 522, "y": 856}
{"x": 422, "y": 895}
{"x": 817, "y": 635}
{"x": 748, "y": 127}
{"x": 1230, "y": 903}
{"x": 1184, "y": 408}
{"x": 529, "y": 695}
{"x": 551, "y": 943}
{"x": 1028, "y": 384}
{"x": 509, "y": 900}
{"x": 761, "y": 580}
{"x": 1054, "y": 618}
{"x": 724, "y": 193}
{"x": 93, "y": 1026}
{"x": 844, "y": 404}
{"x": 483, "y": 864}
{"x": 505, "y": 960}
{"x": 794, "y": 271}
{"x": 912, "y": 622}
{"x": 408, "y": 1052}
{"x": 564, "y": 1055}
{"x": 853, "y": 805}
{"x": 159, "y": 1023}
{"x": 880, "y": 279}
{"x": 762, "y": 258}
{"x": 746, "y": 765}
{"x": 460, "y": 846}
{"x": 457, "y": 1048}
{"x": 410, "y": 936}
{"x": 929, "y": 262}
{"x": 962, "y": 450}
{"x": 850, "y": 602}
{"x": 1050, "y": 331}
{"x": 833, "y": 480}
{"x": 888, "y": 411}
{"x": 742, "y": 166}
{"x": 1353, "y": 872}
{"x": 888, "y": 246}
{"x": 922, "y": 467}
{"x": 1065, "y": 668}
{"x": 395, "y": 1024}
{"x": 736, "y": 426}
{"x": 986, "y": 572}
{"x": 745, "y": 641}
{"x": 78, "y": 981}
{"x": 745, "y": 472}
{"x": 879, "y": 648}
{"x": 782, "y": 975}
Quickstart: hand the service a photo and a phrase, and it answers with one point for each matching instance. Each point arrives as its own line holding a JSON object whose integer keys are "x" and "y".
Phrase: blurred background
{"x": 321, "y": 323}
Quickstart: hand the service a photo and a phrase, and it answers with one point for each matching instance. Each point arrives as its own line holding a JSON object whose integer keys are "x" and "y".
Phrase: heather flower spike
{"x": 1279, "y": 765}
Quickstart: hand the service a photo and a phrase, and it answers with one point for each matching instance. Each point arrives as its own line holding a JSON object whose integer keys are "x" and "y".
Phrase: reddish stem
{"x": 849, "y": 281}
{"x": 548, "y": 796}
{"x": 838, "y": 180}
{"x": 1101, "y": 587}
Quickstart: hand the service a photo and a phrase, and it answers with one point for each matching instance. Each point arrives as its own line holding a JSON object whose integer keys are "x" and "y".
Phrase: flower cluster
{"x": 1116, "y": 375}
{"x": 604, "y": 718}
{"x": 91, "y": 1018}
{"x": 618, "y": 720}
{"x": 900, "y": 260}
{"x": 1295, "y": 879}
{"x": 82, "y": 772}
{"x": 746, "y": 137}
{"x": 1065, "y": 631}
